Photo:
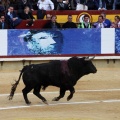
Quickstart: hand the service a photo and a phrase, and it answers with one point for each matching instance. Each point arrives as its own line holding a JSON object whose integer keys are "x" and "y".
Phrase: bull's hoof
{"x": 45, "y": 102}
{"x": 68, "y": 98}
{"x": 28, "y": 103}
{"x": 55, "y": 99}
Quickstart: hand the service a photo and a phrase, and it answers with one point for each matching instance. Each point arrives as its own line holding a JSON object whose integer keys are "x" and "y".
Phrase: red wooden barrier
{"x": 38, "y": 24}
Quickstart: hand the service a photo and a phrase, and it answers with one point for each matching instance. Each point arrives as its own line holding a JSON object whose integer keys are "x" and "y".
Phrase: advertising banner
{"x": 59, "y": 42}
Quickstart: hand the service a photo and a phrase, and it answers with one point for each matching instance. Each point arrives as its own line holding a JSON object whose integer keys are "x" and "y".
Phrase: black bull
{"x": 62, "y": 74}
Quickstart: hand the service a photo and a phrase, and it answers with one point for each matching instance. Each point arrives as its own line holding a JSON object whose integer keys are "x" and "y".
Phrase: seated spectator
{"x": 106, "y": 4}
{"x": 117, "y": 4}
{"x": 86, "y": 22}
{"x": 27, "y": 15}
{"x": 117, "y": 21}
{"x": 3, "y": 23}
{"x": 53, "y": 23}
{"x": 14, "y": 4}
{"x": 48, "y": 17}
{"x": 109, "y": 4}
{"x": 63, "y": 5}
{"x": 5, "y": 3}
{"x": 75, "y": 4}
{"x": 113, "y": 25}
{"x": 21, "y": 5}
{"x": 107, "y": 21}
{"x": 2, "y": 8}
{"x": 101, "y": 4}
{"x": 45, "y": 5}
{"x": 34, "y": 4}
{"x": 12, "y": 17}
{"x": 100, "y": 23}
{"x": 55, "y": 2}
{"x": 92, "y": 4}
{"x": 69, "y": 23}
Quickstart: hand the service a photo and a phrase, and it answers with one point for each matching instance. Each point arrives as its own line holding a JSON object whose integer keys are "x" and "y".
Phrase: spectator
{"x": 106, "y": 4}
{"x": 14, "y": 4}
{"x": 117, "y": 21}
{"x": 3, "y": 23}
{"x": 12, "y": 17}
{"x": 92, "y": 4}
{"x": 5, "y": 3}
{"x": 69, "y": 23}
{"x": 117, "y": 4}
{"x": 22, "y": 4}
{"x": 109, "y": 4}
{"x": 106, "y": 21}
{"x": 45, "y": 5}
{"x": 75, "y": 3}
{"x": 55, "y": 2}
{"x": 86, "y": 22}
{"x": 63, "y": 5}
{"x": 101, "y": 4}
{"x": 2, "y": 8}
{"x": 100, "y": 23}
{"x": 48, "y": 17}
{"x": 53, "y": 23}
{"x": 34, "y": 4}
{"x": 27, "y": 15}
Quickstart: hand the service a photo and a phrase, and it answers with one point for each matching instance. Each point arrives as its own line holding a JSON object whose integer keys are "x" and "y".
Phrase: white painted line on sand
{"x": 67, "y": 103}
{"x": 54, "y": 92}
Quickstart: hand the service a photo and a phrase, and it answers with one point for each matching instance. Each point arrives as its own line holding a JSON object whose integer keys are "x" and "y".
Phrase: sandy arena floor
{"x": 97, "y": 97}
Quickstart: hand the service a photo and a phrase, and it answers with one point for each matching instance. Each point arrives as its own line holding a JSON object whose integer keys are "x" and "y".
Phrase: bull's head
{"x": 89, "y": 65}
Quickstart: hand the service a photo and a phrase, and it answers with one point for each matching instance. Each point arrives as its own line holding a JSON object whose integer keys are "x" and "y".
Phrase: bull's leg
{"x": 72, "y": 91}
{"x": 37, "y": 93}
{"x": 25, "y": 91}
{"x": 62, "y": 93}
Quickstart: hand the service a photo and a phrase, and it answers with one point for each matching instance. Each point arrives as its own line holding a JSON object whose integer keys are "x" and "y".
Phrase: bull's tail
{"x": 14, "y": 86}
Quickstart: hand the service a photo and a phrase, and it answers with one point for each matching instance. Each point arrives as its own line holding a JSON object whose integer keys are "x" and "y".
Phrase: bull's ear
{"x": 88, "y": 59}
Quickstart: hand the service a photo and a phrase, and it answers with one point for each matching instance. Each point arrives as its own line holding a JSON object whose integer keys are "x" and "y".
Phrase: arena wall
{"x": 9, "y": 66}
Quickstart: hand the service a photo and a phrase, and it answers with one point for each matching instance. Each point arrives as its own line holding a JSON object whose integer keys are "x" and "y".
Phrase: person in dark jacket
{"x": 73, "y": 3}
{"x": 53, "y": 23}
{"x": 92, "y": 4}
{"x": 63, "y": 5}
{"x": 21, "y": 5}
{"x": 69, "y": 23}
{"x": 3, "y": 23}
{"x": 12, "y": 17}
{"x": 27, "y": 14}
{"x": 117, "y": 4}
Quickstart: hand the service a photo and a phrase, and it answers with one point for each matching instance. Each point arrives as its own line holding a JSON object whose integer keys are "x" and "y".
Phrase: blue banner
{"x": 54, "y": 42}
{"x": 117, "y": 41}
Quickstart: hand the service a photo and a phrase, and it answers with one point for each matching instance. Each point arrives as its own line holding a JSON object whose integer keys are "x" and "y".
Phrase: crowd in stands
{"x": 12, "y": 12}
{"x": 60, "y": 4}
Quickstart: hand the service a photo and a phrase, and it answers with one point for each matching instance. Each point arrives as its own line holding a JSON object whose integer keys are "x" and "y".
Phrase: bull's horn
{"x": 88, "y": 59}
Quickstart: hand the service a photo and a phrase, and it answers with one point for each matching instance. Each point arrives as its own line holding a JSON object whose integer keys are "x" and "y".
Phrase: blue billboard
{"x": 54, "y": 42}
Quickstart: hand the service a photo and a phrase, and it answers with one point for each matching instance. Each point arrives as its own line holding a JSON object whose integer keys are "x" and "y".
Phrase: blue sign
{"x": 53, "y": 42}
